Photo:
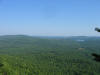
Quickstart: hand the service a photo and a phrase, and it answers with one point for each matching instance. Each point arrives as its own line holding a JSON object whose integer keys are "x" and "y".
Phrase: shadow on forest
{"x": 1, "y": 65}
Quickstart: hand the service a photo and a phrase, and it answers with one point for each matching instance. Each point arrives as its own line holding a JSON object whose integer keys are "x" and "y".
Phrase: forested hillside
{"x": 27, "y": 55}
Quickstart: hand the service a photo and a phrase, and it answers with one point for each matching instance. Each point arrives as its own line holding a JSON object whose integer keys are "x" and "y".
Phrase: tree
{"x": 97, "y": 29}
{"x": 97, "y": 57}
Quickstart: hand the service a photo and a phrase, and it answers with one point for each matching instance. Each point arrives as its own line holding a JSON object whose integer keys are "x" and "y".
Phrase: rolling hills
{"x": 28, "y": 55}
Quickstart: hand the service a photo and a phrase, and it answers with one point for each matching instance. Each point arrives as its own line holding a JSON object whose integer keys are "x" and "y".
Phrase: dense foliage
{"x": 25, "y": 55}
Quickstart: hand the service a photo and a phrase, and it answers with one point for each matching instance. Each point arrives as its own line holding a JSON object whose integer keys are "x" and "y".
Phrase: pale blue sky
{"x": 49, "y": 17}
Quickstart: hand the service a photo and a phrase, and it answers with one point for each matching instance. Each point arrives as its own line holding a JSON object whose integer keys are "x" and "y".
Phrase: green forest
{"x": 28, "y": 55}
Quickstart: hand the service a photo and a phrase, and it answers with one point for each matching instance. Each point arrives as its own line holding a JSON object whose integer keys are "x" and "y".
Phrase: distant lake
{"x": 80, "y": 40}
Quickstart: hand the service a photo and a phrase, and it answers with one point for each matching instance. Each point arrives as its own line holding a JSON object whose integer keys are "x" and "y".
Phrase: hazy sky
{"x": 49, "y": 17}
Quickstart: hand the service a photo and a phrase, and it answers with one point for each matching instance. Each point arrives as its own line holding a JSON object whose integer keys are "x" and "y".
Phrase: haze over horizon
{"x": 49, "y": 17}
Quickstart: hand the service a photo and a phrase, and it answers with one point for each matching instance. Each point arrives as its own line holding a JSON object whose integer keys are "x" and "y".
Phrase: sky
{"x": 49, "y": 17}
